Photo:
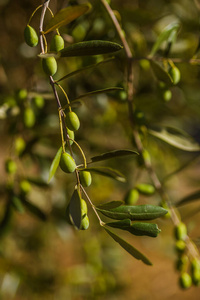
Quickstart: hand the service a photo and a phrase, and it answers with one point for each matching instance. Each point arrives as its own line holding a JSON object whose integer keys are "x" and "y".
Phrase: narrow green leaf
{"x": 176, "y": 137}
{"x": 108, "y": 172}
{"x": 147, "y": 229}
{"x": 90, "y": 48}
{"x": 106, "y": 90}
{"x": 110, "y": 205}
{"x": 136, "y": 212}
{"x": 160, "y": 73}
{"x": 34, "y": 210}
{"x": 192, "y": 197}
{"x": 85, "y": 68}
{"x": 129, "y": 248}
{"x": 55, "y": 164}
{"x": 122, "y": 224}
{"x": 75, "y": 208}
{"x": 66, "y": 15}
{"x": 167, "y": 35}
{"x": 112, "y": 154}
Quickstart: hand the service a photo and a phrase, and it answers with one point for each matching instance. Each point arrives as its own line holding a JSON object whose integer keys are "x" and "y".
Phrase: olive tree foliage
{"x": 138, "y": 86}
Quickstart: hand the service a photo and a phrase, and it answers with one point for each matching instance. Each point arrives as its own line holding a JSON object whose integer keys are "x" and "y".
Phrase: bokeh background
{"x": 41, "y": 256}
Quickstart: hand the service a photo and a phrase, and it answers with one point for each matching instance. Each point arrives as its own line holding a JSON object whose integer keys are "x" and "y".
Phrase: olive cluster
{"x": 189, "y": 267}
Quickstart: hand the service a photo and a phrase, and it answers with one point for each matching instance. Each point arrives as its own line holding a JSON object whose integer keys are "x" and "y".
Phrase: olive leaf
{"x": 128, "y": 247}
{"x": 160, "y": 73}
{"x": 108, "y": 172}
{"x": 55, "y": 163}
{"x": 137, "y": 212}
{"x": 106, "y": 90}
{"x": 175, "y": 137}
{"x": 75, "y": 208}
{"x": 93, "y": 47}
{"x": 112, "y": 154}
{"x": 192, "y": 197}
{"x": 66, "y": 15}
{"x": 110, "y": 205}
{"x": 168, "y": 34}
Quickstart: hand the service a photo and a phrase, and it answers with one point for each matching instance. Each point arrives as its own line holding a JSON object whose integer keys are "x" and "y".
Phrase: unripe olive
{"x": 85, "y": 223}
{"x": 49, "y": 65}
{"x": 167, "y": 95}
{"x": 71, "y": 135}
{"x": 132, "y": 197}
{"x": 10, "y": 166}
{"x": 57, "y": 43}
{"x": 85, "y": 178}
{"x": 72, "y": 121}
{"x": 195, "y": 269}
{"x": 146, "y": 189}
{"x": 29, "y": 117}
{"x": 67, "y": 163}
{"x": 19, "y": 145}
{"x": 180, "y": 231}
{"x": 175, "y": 74}
{"x": 25, "y": 187}
{"x": 185, "y": 280}
{"x": 30, "y": 36}
{"x": 39, "y": 101}
{"x": 180, "y": 246}
{"x": 83, "y": 207}
{"x": 182, "y": 262}
{"x": 22, "y": 94}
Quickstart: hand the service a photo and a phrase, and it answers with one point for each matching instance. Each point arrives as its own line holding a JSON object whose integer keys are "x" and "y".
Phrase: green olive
{"x": 30, "y": 36}
{"x": 182, "y": 262}
{"x": 10, "y": 166}
{"x": 84, "y": 209}
{"x": 167, "y": 95}
{"x": 67, "y": 163}
{"x": 39, "y": 101}
{"x": 180, "y": 231}
{"x": 132, "y": 197}
{"x": 71, "y": 135}
{"x": 25, "y": 187}
{"x": 175, "y": 74}
{"x": 145, "y": 189}
{"x": 72, "y": 121}
{"x": 85, "y": 178}
{"x": 195, "y": 269}
{"x": 185, "y": 280}
{"x": 29, "y": 117}
{"x": 57, "y": 43}
{"x": 180, "y": 246}
{"x": 49, "y": 65}
{"x": 85, "y": 223}
{"x": 20, "y": 145}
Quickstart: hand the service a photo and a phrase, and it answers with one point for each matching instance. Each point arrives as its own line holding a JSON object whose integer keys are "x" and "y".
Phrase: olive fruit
{"x": 145, "y": 189}
{"x": 85, "y": 178}
{"x": 195, "y": 269}
{"x": 72, "y": 121}
{"x": 180, "y": 231}
{"x": 57, "y": 43}
{"x": 49, "y": 65}
{"x": 85, "y": 223}
{"x": 25, "y": 187}
{"x": 180, "y": 246}
{"x": 20, "y": 145}
{"x": 67, "y": 163}
{"x": 10, "y": 166}
{"x": 39, "y": 101}
{"x": 182, "y": 262}
{"x": 167, "y": 95}
{"x": 175, "y": 74}
{"x": 29, "y": 117}
{"x": 83, "y": 207}
{"x": 185, "y": 280}
{"x": 71, "y": 135}
{"x": 132, "y": 197}
{"x": 30, "y": 36}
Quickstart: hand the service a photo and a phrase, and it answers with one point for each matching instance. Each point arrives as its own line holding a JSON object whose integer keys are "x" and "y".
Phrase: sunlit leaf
{"x": 192, "y": 197}
{"x": 129, "y": 248}
{"x": 66, "y": 15}
{"x": 55, "y": 163}
{"x": 97, "y": 92}
{"x": 167, "y": 35}
{"x": 110, "y": 205}
{"x": 108, "y": 172}
{"x": 160, "y": 73}
{"x": 176, "y": 137}
{"x": 113, "y": 154}
{"x": 75, "y": 208}
{"x": 136, "y": 212}
{"x": 93, "y": 47}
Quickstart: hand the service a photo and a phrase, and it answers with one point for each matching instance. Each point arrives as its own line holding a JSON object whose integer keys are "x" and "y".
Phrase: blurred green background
{"x": 41, "y": 256}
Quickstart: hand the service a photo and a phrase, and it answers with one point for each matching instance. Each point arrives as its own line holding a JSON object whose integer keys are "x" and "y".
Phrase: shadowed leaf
{"x": 129, "y": 248}
{"x": 112, "y": 154}
{"x": 75, "y": 208}
{"x": 160, "y": 73}
{"x": 110, "y": 205}
{"x": 98, "y": 92}
{"x": 108, "y": 172}
{"x": 34, "y": 210}
{"x": 55, "y": 164}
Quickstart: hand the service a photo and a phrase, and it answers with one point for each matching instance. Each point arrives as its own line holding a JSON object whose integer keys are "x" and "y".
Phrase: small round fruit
{"x": 30, "y": 36}
{"x": 182, "y": 262}
{"x": 10, "y": 166}
{"x": 85, "y": 178}
{"x": 175, "y": 75}
{"x": 132, "y": 197}
{"x": 167, "y": 95}
{"x": 29, "y": 117}
{"x": 20, "y": 145}
{"x": 195, "y": 269}
{"x": 72, "y": 121}
{"x": 49, "y": 65}
{"x": 39, "y": 101}
{"x": 180, "y": 231}
{"x": 180, "y": 246}
{"x": 145, "y": 189}
{"x": 57, "y": 43}
{"x": 85, "y": 223}
{"x": 71, "y": 135}
{"x": 84, "y": 209}
{"x": 25, "y": 187}
{"x": 185, "y": 280}
{"x": 67, "y": 163}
